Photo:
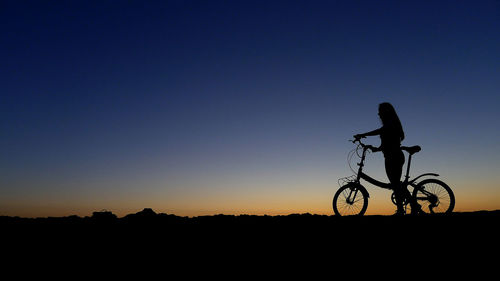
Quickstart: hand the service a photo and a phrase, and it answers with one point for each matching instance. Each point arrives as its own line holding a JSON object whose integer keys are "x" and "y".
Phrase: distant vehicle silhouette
{"x": 433, "y": 195}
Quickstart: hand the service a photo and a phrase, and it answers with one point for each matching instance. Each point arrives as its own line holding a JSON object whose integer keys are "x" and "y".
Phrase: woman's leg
{"x": 394, "y": 169}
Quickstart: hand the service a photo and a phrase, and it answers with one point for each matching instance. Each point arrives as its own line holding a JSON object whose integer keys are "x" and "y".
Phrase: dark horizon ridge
{"x": 150, "y": 213}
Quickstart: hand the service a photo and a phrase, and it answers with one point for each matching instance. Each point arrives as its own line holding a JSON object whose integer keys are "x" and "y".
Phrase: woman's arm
{"x": 371, "y": 133}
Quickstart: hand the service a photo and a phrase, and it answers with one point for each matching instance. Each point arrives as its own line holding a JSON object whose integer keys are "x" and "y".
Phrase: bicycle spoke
{"x": 430, "y": 192}
{"x": 348, "y": 209}
{"x": 349, "y": 201}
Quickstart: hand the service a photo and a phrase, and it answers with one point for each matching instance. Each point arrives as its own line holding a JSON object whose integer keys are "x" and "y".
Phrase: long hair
{"x": 389, "y": 117}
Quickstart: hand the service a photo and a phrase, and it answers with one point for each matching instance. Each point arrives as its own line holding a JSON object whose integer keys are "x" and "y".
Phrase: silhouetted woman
{"x": 391, "y": 134}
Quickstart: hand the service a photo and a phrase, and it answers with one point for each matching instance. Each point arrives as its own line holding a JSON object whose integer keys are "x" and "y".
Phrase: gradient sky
{"x": 205, "y": 107}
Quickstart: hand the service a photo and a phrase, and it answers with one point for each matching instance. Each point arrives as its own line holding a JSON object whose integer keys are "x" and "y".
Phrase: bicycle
{"x": 433, "y": 195}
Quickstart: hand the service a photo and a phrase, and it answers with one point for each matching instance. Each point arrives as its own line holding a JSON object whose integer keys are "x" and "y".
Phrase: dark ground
{"x": 448, "y": 241}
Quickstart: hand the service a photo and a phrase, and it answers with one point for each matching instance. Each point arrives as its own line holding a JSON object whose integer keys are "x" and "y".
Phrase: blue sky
{"x": 199, "y": 107}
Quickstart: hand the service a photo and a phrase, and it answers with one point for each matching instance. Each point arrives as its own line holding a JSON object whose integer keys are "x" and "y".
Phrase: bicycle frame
{"x": 405, "y": 183}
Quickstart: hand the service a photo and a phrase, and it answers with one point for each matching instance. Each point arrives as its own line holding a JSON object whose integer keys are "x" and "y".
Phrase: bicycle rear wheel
{"x": 350, "y": 200}
{"x": 434, "y": 196}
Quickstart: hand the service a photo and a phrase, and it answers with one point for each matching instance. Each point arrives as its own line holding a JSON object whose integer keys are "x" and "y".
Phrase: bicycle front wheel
{"x": 434, "y": 196}
{"x": 350, "y": 200}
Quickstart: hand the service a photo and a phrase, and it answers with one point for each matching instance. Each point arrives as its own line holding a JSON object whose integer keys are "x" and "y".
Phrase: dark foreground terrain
{"x": 460, "y": 238}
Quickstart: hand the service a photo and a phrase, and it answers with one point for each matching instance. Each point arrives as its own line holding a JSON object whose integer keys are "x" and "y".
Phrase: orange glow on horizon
{"x": 258, "y": 201}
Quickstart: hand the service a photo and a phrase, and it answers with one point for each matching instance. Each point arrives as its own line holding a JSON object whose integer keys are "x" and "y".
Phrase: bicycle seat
{"x": 411, "y": 149}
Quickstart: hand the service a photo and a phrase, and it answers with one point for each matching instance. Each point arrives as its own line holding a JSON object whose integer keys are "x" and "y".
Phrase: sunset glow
{"x": 239, "y": 107}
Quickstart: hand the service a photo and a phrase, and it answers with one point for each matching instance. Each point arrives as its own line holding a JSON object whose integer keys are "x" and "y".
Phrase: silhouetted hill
{"x": 149, "y": 216}
{"x": 223, "y": 240}
{"x": 293, "y": 224}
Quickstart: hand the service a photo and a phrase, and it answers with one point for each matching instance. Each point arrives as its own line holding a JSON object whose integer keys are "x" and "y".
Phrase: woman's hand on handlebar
{"x": 366, "y": 146}
{"x": 358, "y": 137}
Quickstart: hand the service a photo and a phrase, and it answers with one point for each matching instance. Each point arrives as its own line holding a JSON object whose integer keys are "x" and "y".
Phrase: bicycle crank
{"x": 395, "y": 200}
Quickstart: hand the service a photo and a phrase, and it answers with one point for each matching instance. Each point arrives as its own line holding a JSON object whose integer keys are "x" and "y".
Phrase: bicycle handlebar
{"x": 358, "y": 141}
{"x": 364, "y": 146}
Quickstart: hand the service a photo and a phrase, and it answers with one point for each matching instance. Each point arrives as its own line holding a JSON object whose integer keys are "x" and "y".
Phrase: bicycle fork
{"x": 351, "y": 197}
